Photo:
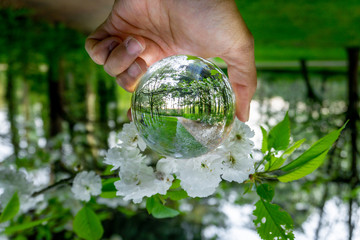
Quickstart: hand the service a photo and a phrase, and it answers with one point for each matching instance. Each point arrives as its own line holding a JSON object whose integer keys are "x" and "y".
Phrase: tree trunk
{"x": 54, "y": 94}
{"x": 12, "y": 107}
{"x": 310, "y": 91}
{"x": 352, "y": 114}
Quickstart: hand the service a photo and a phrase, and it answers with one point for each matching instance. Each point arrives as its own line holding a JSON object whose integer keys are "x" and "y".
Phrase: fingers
{"x": 129, "y": 78}
{"x": 244, "y": 84}
{"x": 120, "y": 58}
{"x": 123, "y": 55}
{"x": 99, "y": 51}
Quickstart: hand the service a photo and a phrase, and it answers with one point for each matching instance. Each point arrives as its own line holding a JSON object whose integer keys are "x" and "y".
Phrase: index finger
{"x": 99, "y": 43}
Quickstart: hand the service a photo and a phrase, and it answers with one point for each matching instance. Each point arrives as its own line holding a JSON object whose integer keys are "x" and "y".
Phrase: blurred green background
{"x": 59, "y": 112}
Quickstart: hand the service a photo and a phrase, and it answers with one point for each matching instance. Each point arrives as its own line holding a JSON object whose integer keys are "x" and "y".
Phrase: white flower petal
{"x": 86, "y": 184}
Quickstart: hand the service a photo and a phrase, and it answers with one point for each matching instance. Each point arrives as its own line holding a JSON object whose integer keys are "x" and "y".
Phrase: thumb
{"x": 243, "y": 80}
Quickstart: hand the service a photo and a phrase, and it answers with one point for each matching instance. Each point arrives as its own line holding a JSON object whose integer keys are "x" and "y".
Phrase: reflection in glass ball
{"x": 183, "y": 106}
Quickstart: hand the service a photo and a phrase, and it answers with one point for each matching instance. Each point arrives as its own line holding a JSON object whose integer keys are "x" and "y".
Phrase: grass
{"x": 166, "y": 135}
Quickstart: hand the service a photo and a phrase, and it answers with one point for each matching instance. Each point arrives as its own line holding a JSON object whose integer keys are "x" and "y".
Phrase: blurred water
{"x": 6, "y": 148}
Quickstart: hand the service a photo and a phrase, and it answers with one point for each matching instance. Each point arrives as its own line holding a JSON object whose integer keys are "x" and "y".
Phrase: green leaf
{"x": 271, "y": 160}
{"x": 158, "y": 210}
{"x": 176, "y": 195}
{"x": 276, "y": 163}
{"x": 108, "y": 189}
{"x": 11, "y": 208}
{"x": 265, "y": 191}
{"x": 317, "y": 149}
{"x": 272, "y": 222}
{"x": 264, "y": 146}
{"x": 175, "y": 184}
{"x": 279, "y": 136}
{"x": 87, "y": 225}
{"x": 21, "y": 227}
{"x": 304, "y": 169}
{"x": 150, "y": 203}
{"x": 108, "y": 194}
{"x": 108, "y": 185}
{"x": 291, "y": 149}
{"x": 248, "y": 188}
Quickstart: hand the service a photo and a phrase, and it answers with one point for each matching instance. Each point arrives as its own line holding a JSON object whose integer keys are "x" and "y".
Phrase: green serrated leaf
{"x": 277, "y": 162}
{"x": 304, "y": 169}
{"x": 87, "y": 225}
{"x": 271, "y": 159}
{"x": 158, "y": 210}
{"x": 177, "y": 194}
{"x": 21, "y": 227}
{"x": 272, "y": 222}
{"x": 279, "y": 136}
{"x": 317, "y": 149}
{"x": 265, "y": 191}
{"x": 11, "y": 208}
{"x": 264, "y": 145}
{"x": 293, "y": 147}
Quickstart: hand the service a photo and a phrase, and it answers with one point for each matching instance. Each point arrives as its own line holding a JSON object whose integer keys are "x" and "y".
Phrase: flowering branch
{"x": 61, "y": 182}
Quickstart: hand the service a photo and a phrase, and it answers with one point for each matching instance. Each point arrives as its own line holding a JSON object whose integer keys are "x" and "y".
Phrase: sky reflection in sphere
{"x": 183, "y": 106}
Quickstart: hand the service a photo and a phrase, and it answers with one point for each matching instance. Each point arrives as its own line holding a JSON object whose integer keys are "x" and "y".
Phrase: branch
{"x": 66, "y": 181}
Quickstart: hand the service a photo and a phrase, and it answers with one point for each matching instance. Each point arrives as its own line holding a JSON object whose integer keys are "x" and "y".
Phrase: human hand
{"x": 138, "y": 33}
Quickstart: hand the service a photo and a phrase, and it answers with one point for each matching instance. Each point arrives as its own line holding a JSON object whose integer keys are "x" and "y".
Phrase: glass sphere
{"x": 183, "y": 106}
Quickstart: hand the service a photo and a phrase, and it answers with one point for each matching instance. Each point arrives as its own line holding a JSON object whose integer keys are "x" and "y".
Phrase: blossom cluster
{"x": 141, "y": 176}
{"x": 13, "y": 180}
{"x": 86, "y": 184}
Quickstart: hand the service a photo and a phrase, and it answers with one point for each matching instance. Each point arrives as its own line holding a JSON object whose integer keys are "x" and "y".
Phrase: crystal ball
{"x": 183, "y": 106}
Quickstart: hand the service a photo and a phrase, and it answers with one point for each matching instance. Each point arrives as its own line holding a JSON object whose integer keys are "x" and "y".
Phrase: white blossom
{"x": 11, "y": 181}
{"x": 139, "y": 180}
{"x": 236, "y": 162}
{"x": 86, "y": 184}
{"x": 118, "y": 157}
{"x": 238, "y": 142}
{"x": 237, "y": 168}
{"x": 200, "y": 176}
{"x": 129, "y": 137}
{"x": 167, "y": 165}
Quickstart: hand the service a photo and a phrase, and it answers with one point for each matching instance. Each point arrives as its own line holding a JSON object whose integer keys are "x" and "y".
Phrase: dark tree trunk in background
{"x": 353, "y": 116}
{"x": 54, "y": 94}
{"x": 12, "y": 107}
{"x": 310, "y": 91}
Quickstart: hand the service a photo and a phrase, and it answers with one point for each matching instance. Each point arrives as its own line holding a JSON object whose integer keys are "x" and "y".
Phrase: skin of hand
{"x": 138, "y": 33}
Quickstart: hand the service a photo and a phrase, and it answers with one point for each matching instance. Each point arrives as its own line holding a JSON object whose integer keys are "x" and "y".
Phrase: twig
{"x": 66, "y": 181}
{"x": 63, "y": 181}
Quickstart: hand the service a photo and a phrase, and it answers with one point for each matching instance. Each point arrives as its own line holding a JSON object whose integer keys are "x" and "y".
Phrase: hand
{"x": 138, "y": 33}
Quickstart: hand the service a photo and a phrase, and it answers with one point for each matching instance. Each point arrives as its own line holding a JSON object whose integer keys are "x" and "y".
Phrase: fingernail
{"x": 113, "y": 45}
{"x": 133, "y": 46}
{"x": 134, "y": 70}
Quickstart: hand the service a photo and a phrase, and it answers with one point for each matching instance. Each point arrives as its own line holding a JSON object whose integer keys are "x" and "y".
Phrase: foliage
{"x": 271, "y": 221}
{"x": 288, "y": 35}
{"x": 11, "y": 209}
{"x": 70, "y": 150}
{"x": 87, "y": 224}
